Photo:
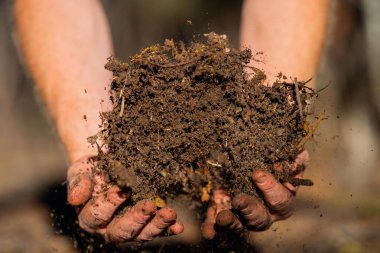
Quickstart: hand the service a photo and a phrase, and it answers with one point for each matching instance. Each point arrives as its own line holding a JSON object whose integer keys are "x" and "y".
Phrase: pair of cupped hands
{"x": 98, "y": 204}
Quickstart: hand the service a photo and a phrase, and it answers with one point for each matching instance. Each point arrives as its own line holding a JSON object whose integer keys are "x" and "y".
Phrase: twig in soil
{"x": 253, "y": 68}
{"x": 122, "y": 90}
{"x": 298, "y": 98}
{"x": 323, "y": 88}
{"x": 311, "y": 130}
{"x": 122, "y": 107}
{"x": 158, "y": 139}
{"x": 302, "y": 85}
{"x": 305, "y": 82}
{"x": 214, "y": 164}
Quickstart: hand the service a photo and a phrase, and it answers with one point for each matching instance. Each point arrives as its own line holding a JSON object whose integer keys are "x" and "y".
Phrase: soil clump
{"x": 191, "y": 118}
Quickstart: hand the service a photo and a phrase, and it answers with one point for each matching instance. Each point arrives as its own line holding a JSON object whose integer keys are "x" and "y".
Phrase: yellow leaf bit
{"x": 205, "y": 196}
{"x": 159, "y": 202}
{"x": 206, "y": 192}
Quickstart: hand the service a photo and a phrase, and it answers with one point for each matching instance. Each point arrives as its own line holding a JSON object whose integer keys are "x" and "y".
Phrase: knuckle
{"x": 114, "y": 234}
{"x": 82, "y": 166}
{"x": 267, "y": 185}
{"x": 258, "y": 218}
{"x": 125, "y": 236}
{"x": 83, "y": 225}
{"x": 146, "y": 238}
{"x": 91, "y": 218}
{"x": 261, "y": 226}
{"x": 99, "y": 217}
{"x": 146, "y": 235}
{"x": 240, "y": 201}
{"x": 283, "y": 206}
{"x": 261, "y": 223}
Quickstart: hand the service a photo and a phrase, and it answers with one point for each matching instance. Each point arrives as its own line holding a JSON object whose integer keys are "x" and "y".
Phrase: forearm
{"x": 65, "y": 45}
{"x": 290, "y": 33}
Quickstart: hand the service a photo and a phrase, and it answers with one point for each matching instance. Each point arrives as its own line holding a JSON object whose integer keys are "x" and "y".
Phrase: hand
{"x": 248, "y": 211}
{"x": 99, "y": 202}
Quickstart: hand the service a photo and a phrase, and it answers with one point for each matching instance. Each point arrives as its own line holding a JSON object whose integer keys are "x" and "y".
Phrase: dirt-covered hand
{"x": 98, "y": 202}
{"x": 245, "y": 211}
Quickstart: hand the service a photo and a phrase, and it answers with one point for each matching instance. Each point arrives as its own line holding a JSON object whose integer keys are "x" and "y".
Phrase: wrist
{"x": 75, "y": 124}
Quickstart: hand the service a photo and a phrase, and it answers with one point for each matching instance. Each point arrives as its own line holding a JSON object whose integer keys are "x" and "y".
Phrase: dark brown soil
{"x": 187, "y": 119}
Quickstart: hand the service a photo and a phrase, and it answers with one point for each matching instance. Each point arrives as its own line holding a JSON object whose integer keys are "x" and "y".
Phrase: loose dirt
{"x": 192, "y": 118}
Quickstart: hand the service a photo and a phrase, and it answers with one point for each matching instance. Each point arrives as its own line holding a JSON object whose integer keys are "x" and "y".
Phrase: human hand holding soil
{"x": 99, "y": 201}
{"x": 245, "y": 211}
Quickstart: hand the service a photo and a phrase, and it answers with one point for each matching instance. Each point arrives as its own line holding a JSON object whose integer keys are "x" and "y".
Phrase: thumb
{"x": 79, "y": 181}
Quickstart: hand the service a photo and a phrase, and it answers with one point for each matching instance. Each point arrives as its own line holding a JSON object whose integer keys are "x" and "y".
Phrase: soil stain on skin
{"x": 192, "y": 118}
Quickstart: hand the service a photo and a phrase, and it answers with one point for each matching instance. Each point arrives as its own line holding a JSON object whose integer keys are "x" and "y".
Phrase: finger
{"x": 79, "y": 182}
{"x": 99, "y": 211}
{"x": 99, "y": 182}
{"x": 176, "y": 229}
{"x": 298, "y": 169}
{"x": 252, "y": 211}
{"x": 127, "y": 226}
{"x": 161, "y": 221}
{"x": 278, "y": 198}
{"x": 301, "y": 159}
{"x": 227, "y": 220}
{"x": 293, "y": 189}
{"x": 221, "y": 201}
{"x": 207, "y": 228}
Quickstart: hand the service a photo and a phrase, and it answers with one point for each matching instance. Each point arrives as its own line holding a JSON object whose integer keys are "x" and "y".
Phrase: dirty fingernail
{"x": 148, "y": 208}
{"x": 123, "y": 195}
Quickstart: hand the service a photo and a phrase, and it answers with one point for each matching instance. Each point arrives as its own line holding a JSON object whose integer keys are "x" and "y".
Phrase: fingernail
{"x": 148, "y": 208}
{"x": 73, "y": 182}
{"x": 259, "y": 176}
{"x": 122, "y": 195}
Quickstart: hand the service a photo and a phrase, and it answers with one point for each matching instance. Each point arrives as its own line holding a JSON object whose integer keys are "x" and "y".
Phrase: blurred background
{"x": 341, "y": 213}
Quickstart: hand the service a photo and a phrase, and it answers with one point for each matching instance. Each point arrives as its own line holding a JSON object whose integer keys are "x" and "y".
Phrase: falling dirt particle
{"x": 189, "y": 22}
{"x": 85, "y": 91}
{"x": 85, "y": 117}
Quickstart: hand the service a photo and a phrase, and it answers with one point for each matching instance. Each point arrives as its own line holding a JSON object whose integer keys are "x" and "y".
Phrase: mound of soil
{"x": 187, "y": 119}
